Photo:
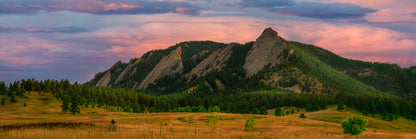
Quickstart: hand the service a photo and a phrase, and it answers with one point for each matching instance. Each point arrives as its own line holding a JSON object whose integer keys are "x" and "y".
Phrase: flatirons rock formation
{"x": 169, "y": 65}
{"x": 268, "y": 49}
{"x": 213, "y": 66}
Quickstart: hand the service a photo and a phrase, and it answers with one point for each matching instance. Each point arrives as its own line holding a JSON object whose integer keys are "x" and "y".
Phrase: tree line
{"x": 231, "y": 101}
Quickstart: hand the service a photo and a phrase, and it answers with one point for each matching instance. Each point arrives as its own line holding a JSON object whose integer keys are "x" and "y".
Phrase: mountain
{"x": 269, "y": 62}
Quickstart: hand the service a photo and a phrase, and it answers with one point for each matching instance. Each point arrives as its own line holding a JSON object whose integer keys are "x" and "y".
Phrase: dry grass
{"x": 320, "y": 124}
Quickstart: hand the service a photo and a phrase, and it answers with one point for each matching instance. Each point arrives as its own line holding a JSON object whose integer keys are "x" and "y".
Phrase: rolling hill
{"x": 41, "y": 117}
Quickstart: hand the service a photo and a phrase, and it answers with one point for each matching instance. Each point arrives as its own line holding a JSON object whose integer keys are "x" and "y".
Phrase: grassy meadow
{"x": 42, "y": 118}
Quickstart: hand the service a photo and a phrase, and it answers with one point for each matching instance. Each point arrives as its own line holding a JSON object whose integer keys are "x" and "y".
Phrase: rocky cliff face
{"x": 216, "y": 61}
{"x": 157, "y": 64}
{"x": 268, "y": 49}
{"x": 105, "y": 79}
{"x": 169, "y": 65}
{"x": 128, "y": 68}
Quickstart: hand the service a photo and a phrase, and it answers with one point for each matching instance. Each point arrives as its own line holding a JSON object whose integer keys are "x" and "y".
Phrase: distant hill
{"x": 269, "y": 62}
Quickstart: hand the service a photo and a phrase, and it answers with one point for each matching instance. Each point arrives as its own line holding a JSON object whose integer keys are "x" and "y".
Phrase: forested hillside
{"x": 215, "y": 67}
{"x": 382, "y": 76}
{"x": 239, "y": 101}
{"x": 210, "y": 76}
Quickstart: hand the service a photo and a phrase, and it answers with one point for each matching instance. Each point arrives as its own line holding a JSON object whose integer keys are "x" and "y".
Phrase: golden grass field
{"x": 320, "y": 124}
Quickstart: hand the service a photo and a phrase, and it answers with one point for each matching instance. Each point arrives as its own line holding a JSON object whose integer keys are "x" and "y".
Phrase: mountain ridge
{"x": 269, "y": 62}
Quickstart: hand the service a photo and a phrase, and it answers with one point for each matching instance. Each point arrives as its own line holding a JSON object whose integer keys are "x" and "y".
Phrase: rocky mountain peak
{"x": 267, "y": 49}
{"x": 268, "y": 33}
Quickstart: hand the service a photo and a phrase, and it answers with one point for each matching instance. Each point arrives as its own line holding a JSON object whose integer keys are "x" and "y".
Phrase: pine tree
{"x": 278, "y": 112}
{"x": 20, "y": 92}
{"x": 340, "y": 106}
{"x": 3, "y": 88}
{"x": 263, "y": 110}
{"x": 74, "y": 107}
{"x": 3, "y": 101}
{"x": 13, "y": 97}
{"x": 65, "y": 104}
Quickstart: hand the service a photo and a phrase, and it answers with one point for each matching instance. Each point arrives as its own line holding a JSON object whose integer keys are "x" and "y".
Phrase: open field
{"x": 42, "y": 118}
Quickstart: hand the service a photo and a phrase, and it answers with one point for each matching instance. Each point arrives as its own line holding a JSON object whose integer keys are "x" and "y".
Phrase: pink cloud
{"x": 149, "y": 35}
{"x": 19, "y": 51}
{"x": 356, "y": 41}
{"x": 165, "y": 30}
{"x": 98, "y": 7}
{"x": 388, "y": 10}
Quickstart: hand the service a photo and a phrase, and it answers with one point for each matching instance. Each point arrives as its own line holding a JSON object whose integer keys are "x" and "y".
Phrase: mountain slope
{"x": 269, "y": 62}
{"x": 137, "y": 69}
{"x": 168, "y": 65}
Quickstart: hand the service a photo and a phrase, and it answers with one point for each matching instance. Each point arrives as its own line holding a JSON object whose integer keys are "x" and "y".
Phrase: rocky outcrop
{"x": 216, "y": 61}
{"x": 267, "y": 49}
{"x": 168, "y": 65}
{"x": 104, "y": 80}
{"x": 129, "y": 66}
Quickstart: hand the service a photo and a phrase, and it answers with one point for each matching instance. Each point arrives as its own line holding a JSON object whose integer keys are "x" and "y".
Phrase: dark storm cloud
{"x": 323, "y": 10}
{"x": 42, "y": 30}
{"x": 263, "y": 3}
{"x": 128, "y": 7}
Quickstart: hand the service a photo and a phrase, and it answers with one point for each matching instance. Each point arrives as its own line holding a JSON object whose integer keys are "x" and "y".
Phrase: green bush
{"x": 250, "y": 124}
{"x": 354, "y": 125}
{"x": 214, "y": 109}
{"x": 302, "y": 115}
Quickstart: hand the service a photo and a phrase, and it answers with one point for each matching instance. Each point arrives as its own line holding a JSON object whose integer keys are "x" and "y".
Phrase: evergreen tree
{"x": 278, "y": 112}
{"x": 20, "y": 92}
{"x": 13, "y": 97}
{"x": 65, "y": 104}
{"x": 113, "y": 126}
{"x": 74, "y": 107}
{"x": 263, "y": 110}
{"x": 309, "y": 107}
{"x": 3, "y": 101}
{"x": 340, "y": 106}
{"x": 3, "y": 88}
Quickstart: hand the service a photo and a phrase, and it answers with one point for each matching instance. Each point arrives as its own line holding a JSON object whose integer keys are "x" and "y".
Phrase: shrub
{"x": 302, "y": 115}
{"x": 214, "y": 109}
{"x": 212, "y": 121}
{"x": 340, "y": 106}
{"x": 354, "y": 125}
{"x": 251, "y": 124}
{"x": 180, "y": 119}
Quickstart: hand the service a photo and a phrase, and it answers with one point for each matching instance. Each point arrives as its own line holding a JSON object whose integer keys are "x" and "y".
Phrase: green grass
{"x": 322, "y": 124}
{"x": 328, "y": 75}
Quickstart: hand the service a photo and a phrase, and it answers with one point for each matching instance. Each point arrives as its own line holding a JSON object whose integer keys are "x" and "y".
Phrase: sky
{"x": 75, "y": 39}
